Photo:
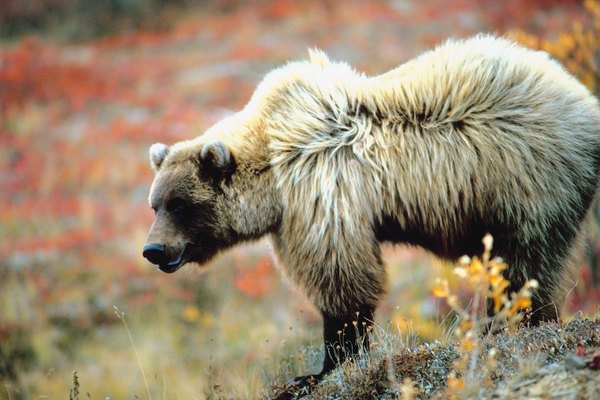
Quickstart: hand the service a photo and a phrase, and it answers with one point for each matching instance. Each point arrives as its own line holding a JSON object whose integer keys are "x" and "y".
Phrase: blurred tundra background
{"x": 87, "y": 86}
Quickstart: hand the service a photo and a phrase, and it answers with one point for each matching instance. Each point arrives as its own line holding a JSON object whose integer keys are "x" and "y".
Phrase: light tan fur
{"x": 475, "y": 134}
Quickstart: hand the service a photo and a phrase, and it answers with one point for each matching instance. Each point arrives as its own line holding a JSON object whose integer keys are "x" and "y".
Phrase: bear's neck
{"x": 251, "y": 194}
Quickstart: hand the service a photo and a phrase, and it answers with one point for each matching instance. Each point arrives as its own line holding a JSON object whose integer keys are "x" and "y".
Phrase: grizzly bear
{"x": 476, "y": 136}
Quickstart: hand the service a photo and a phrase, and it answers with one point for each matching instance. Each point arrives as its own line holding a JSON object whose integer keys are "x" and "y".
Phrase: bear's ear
{"x": 158, "y": 152}
{"x": 318, "y": 57}
{"x": 216, "y": 158}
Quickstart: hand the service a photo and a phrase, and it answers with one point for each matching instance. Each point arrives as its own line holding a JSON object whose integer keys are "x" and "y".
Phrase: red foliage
{"x": 255, "y": 281}
{"x": 588, "y": 357}
{"x": 586, "y": 295}
{"x": 32, "y": 72}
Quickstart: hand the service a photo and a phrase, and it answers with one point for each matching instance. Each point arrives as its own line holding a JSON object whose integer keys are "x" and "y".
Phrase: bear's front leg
{"x": 343, "y": 337}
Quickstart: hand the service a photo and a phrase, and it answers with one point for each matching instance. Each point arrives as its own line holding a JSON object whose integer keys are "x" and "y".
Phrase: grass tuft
{"x": 74, "y": 392}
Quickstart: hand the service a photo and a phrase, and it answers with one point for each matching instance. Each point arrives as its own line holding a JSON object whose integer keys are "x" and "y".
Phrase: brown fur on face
{"x": 207, "y": 199}
{"x": 475, "y": 136}
{"x": 186, "y": 215}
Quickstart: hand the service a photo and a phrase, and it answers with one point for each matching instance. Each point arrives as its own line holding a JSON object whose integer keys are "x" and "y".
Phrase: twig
{"x": 121, "y": 316}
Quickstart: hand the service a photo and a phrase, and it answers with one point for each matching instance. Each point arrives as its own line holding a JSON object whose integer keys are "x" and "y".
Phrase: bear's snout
{"x": 156, "y": 254}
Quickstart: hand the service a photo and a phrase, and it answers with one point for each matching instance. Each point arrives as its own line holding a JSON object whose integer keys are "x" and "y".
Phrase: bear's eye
{"x": 177, "y": 207}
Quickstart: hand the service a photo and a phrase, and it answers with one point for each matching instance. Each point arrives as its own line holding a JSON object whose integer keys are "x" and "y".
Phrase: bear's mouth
{"x": 173, "y": 265}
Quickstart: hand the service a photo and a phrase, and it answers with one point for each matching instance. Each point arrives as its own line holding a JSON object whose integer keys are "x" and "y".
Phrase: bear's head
{"x": 187, "y": 196}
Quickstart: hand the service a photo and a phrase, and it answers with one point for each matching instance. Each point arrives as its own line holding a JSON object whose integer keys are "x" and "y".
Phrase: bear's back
{"x": 474, "y": 132}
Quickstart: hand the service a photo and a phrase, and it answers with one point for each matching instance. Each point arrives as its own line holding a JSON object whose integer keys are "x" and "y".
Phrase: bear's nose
{"x": 155, "y": 253}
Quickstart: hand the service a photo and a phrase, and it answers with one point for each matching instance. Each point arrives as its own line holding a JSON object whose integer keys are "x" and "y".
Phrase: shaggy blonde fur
{"x": 475, "y": 136}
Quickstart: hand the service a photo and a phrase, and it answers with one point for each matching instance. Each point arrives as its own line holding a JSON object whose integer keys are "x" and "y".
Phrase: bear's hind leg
{"x": 549, "y": 296}
{"x": 543, "y": 308}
